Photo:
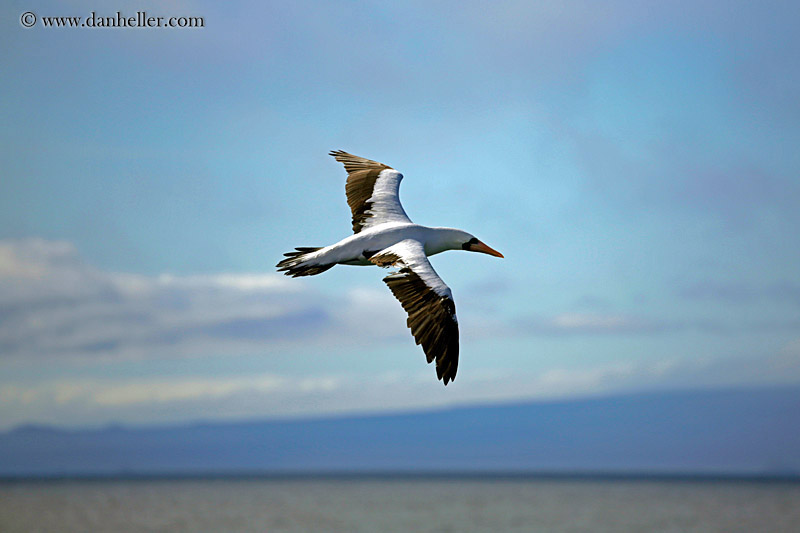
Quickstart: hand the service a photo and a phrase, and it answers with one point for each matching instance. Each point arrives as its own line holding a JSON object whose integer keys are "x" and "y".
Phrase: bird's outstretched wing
{"x": 428, "y": 302}
{"x": 372, "y": 191}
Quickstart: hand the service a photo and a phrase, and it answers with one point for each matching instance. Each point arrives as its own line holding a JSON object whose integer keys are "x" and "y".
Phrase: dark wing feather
{"x": 362, "y": 176}
{"x": 428, "y": 302}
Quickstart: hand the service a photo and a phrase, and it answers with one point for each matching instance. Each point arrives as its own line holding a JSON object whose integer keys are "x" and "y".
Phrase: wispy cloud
{"x": 55, "y": 304}
{"x": 157, "y": 399}
{"x": 161, "y": 399}
{"x": 592, "y": 324}
{"x": 154, "y": 391}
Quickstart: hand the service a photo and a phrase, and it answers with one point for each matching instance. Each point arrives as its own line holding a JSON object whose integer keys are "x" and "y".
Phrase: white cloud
{"x": 79, "y": 401}
{"x": 55, "y": 304}
{"x": 590, "y": 324}
{"x": 70, "y": 401}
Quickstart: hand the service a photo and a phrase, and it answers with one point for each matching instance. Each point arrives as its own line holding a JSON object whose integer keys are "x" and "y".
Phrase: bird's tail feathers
{"x": 297, "y": 263}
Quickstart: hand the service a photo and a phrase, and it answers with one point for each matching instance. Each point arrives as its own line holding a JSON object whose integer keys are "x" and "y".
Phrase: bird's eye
{"x": 469, "y": 243}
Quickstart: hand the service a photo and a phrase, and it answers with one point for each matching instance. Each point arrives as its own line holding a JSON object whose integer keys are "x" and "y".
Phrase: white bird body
{"x": 385, "y": 236}
{"x": 350, "y": 250}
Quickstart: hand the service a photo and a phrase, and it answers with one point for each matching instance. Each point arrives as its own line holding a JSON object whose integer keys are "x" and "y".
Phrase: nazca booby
{"x": 383, "y": 235}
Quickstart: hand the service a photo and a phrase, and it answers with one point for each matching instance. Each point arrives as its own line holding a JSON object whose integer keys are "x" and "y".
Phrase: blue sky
{"x": 637, "y": 165}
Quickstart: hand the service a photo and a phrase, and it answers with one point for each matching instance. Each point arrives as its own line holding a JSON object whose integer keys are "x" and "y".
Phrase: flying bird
{"x": 383, "y": 235}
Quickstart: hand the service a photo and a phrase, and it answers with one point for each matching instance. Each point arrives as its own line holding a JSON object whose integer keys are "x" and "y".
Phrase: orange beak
{"x": 480, "y": 247}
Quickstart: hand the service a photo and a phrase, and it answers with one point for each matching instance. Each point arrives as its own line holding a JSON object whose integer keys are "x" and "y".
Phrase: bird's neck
{"x": 442, "y": 239}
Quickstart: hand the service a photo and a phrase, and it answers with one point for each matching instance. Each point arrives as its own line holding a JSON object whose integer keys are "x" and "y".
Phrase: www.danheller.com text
{"x": 141, "y": 19}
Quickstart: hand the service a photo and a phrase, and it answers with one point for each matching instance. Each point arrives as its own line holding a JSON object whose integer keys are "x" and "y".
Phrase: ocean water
{"x": 392, "y": 504}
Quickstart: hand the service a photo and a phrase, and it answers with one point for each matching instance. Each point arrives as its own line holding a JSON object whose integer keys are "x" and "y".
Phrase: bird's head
{"x": 472, "y": 244}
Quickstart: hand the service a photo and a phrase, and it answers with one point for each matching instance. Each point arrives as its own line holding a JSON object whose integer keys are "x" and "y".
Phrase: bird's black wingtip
{"x": 445, "y": 377}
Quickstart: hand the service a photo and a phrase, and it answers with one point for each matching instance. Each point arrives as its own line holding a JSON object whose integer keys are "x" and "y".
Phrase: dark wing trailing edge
{"x": 372, "y": 191}
{"x": 432, "y": 319}
{"x": 428, "y": 302}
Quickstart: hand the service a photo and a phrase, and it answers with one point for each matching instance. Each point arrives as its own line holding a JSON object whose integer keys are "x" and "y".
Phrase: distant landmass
{"x": 750, "y": 432}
